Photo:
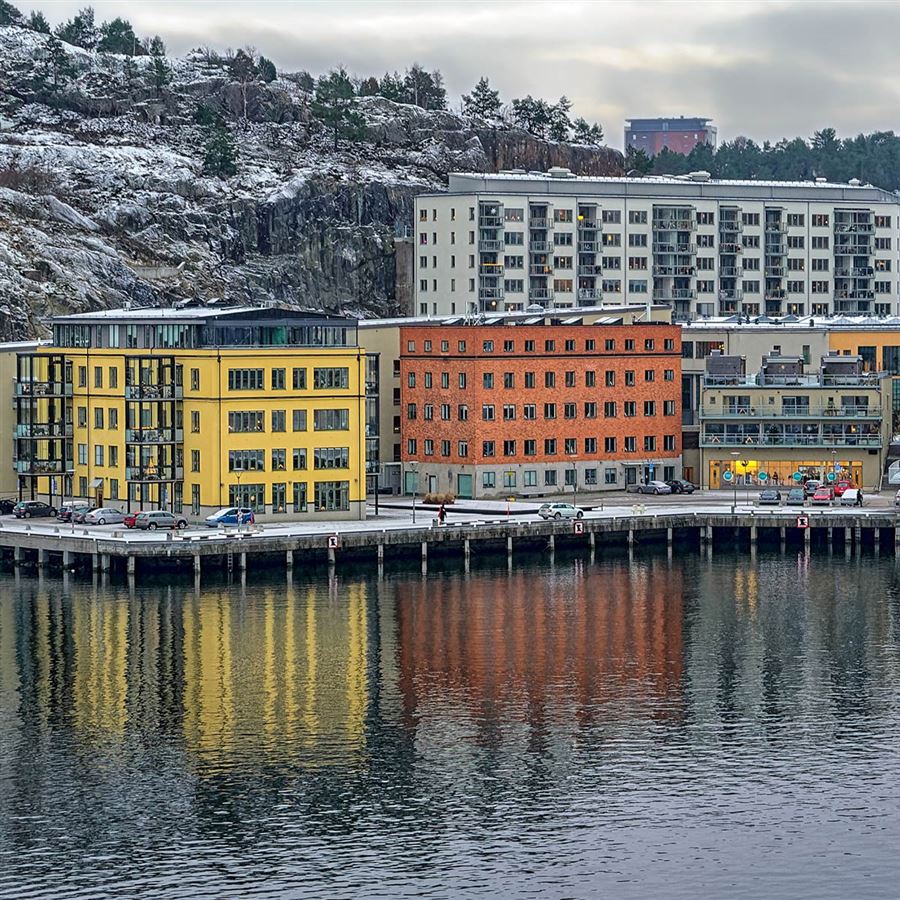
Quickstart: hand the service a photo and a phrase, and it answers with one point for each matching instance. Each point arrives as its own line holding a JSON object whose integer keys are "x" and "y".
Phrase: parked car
{"x": 680, "y": 486}
{"x": 7, "y": 505}
{"x": 79, "y": 515}
{"x": 770, "y": 497}
{"x": 852, "y": 497}
{"x": 811, "y": 486}
{"x": 897, "y": 498}
{"x": 560, "y": 511}
{"x": 70, "y": 510}
{"x": 105, "y": 515}
{"x": 229, "y": 516}
{"x": 796, "y": 497}
{"x": 158, "y": 518}
{"x": 654, "y": 487}
{"x": 33, "y": 509}
{"x": 822, "y": 497}
{"x": 128, "y": 521}
{"x": 842, "y": 486}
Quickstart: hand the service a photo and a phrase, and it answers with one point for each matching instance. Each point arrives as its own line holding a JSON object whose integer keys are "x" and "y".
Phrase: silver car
{"x": 105, "y": 515}
{"x": 654, "y": 487}
{"x": 560, "y": 511}
{"x": 159, "y": 518}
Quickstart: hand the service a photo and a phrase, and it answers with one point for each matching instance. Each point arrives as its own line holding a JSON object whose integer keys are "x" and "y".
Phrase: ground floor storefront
{"x": 780, "y": 468}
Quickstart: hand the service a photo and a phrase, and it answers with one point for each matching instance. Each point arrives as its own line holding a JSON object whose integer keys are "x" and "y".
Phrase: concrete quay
{"x": 287, "y": 546}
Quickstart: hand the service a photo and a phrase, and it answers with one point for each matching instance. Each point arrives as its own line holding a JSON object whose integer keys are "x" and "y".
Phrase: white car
{"x": 654, "y": 487}
{"x": 560, "y": 511}
{"x": 106, "y": 515}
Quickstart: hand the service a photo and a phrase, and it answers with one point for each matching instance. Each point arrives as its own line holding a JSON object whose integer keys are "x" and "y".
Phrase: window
{"x": 637, "y": 240}
{"x": 246, "y": 380}
{"x": 882, "y": 265}
{"x": 487, "y": 380}
{"x": 529, "y": 379}
{"x": 239, "y": 422}
{"x": 98, "y": 417}
{"x": 195, "y": 460}
{"x": 750, "y": 218}
{"x": 637, "y": 217}
{"x": 529, "y": 411}
{"x": 529, "y": 478}
{"x": 570, "y": 379}
{"x": 278, "y": 420}
{"x": 331, "y": 420}
{"x": 82, "y": 376}
{"x": 562, "y": 215}
{"x": 332, "y": 496}
{"x": 609, "y": 409}
{"x": 82, "y": 417}
{"x": 796, "y": 242}
{"x": 488, "y": 479}
{"x": 462, "y": 449}
{"x": 562, "y": 239}
{"x": 279, "y": 459}
{"x": 429, "y": 447}
{"x": 549, "y": 410}
{"x": 298, "y": 459}
{"x": 649, "y": 407}
{"x": 98, "y": 454}
{"x": 668, "y": 407}
{"x": 629, "y": 377}
{"x": 609, "y": 379}
{"x": 487, "y": 346}
{"x": 630, "y": 444}
{"x": 882, "y": 221}
{"x": 590, "y": 445}
{"x": 549, "y": 477}
{"x": 98, "y": 376}
{"x": 649, "y": 375}
{"x": 113, "y": 379}
{"x": 411, "y": 379}
{"x": 298, "y": 379}
{"x": 820, "y": 242}
{"x": 820, "y": 220}
{"x": 550, "y": 379}
{"x": 796, "y": 220}
{"x": 509, "y": 412}
{"x": 509, "y": 448}
{"x": 529, "y": 448}
{"x": 509, "y": 380}
{"x": 331, "y": 458}
{"x": 629, "y": 407}
{"x": 610, "y": 476}
{"x": 706, "y": 263}
{"x": 487, "y": 412}
{"x": 114, "y": 487}
{"x": 562, "y": 262}
{"x": 299, "y": 419}
{"x": 883, "y": 243}
{"x": 669, "y": 442}
{"x": 611, "y": 216}
{"x": 590, "y": 410}
{"x": 195, "y": 421}
{"x": 649, "y": 443}
{"x": 798, "y": 264}
{"x": 332, "y": 378}
{"x": 637, "y": 262}
{"x": 278, "y": 379}
{"x": 570, "y": 446}
{"x": 550, "y": 446}
{"x": 246, "y": 461}
{"x": 706, "y": 218}
{"x": 570, "y": 410}
{"x": 590, "y": 476}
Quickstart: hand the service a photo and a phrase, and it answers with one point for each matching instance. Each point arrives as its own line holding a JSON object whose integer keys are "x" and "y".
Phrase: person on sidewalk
{"x": 442, "y": 514}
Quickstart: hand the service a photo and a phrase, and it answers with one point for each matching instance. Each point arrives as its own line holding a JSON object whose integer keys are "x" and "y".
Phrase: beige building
{"x": 513, "y": 240}
{"x": 792, "y": 418}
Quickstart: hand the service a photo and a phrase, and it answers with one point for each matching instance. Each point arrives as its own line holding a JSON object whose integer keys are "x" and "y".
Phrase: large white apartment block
{"x": 513, "y": 240}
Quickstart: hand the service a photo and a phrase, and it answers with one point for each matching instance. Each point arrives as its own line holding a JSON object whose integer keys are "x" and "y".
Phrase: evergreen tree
{"x": 424, "y": 89}
{"x": 585, "y": 133}
{"x": 636, "y": 160}
{"x": 243, "y": 70}
{"x": 306, "y": 82}
{"x": 534, "y": 116}
{"x": 156, "y": 46}
{"x": 220, "y": 156}
{"x": 483, "y": 102}
{"x": 391, "y": 88}
{"x": 129, "y": 71}
{"x": 267, "y": 70}
{"x": 37, "y": 22}
{"x": 335, "y": 106}
{"x": 558, "y": 119}
{"x": 118, "y": 37}
{"x": 160, "y": 73}
{"x": 368, "y": 87}
{"x": 9, "y": 15}
{"x": 56, "y": 65}
{"x": 80, "y": 30}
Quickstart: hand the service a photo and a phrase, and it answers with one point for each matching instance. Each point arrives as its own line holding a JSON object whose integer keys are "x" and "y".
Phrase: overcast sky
{"x": 761, "y": 69}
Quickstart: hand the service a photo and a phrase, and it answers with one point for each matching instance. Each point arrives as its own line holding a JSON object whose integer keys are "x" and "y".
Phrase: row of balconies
{"x": 788, "y": 411}
{"x": 854, "y": 228}
{"x": 154, "y": 473}
{"x": 153, "y": 392}
{"x": 43, "y": 430}
{"x": 36, "y": 466}
{"x": 43, "y": 388}
{"x": 788, "y": 440}
{"x": 674, "y": 294}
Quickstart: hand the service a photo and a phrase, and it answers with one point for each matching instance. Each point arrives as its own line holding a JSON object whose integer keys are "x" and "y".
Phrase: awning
{"x": 97, "y": 482}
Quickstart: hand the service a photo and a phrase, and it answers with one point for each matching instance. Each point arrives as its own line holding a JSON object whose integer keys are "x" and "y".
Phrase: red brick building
{"x": 680, "y": 135}
{"x": 492, "y": 410}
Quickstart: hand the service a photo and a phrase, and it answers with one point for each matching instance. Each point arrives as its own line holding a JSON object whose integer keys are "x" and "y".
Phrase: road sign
{"x": 831, "y": 476}
{"x": 797, "y": 476}
{"x": 803, "y": 521}
{"x": 763, "y": 476}
{"x": 578, "y": 527}
{"x": 727, "y": 476}
{"x": 334, "y": 542}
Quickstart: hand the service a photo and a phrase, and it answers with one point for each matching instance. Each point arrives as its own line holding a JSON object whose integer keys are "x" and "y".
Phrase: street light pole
{"x": 734, "y": 456}
{"x": 415, "y": 488}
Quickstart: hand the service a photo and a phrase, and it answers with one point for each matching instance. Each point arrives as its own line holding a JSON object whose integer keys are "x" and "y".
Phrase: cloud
{"x": 763, "y": 69}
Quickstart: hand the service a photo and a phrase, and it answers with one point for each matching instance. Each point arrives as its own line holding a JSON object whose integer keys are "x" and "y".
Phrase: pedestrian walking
{"x": 442, "y": 514}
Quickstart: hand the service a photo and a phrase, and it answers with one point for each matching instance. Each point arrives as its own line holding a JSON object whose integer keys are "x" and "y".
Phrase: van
{"x": 852, "y": 497}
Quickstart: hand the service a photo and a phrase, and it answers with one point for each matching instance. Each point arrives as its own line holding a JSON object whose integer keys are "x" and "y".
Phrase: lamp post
{"x": 574, "y": 485}
{"x": 415, "y": 472}
{"x": 734, "y": 458}
{"x": 237, "y": 474}
{"x": 746, "y": 464}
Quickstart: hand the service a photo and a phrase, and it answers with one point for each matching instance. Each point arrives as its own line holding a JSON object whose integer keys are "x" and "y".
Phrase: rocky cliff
{"x": 103, "y": 199}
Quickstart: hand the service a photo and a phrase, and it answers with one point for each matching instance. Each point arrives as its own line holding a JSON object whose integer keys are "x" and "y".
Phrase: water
{"x": 666, "y": 729}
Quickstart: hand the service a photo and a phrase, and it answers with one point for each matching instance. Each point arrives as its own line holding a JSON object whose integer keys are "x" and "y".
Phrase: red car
{"x": 842, "y": 486}
{"x": 129, "y": 519}
{"x": 823, "y": 495}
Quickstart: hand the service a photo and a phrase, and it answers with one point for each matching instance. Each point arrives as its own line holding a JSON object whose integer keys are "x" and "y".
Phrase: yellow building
{"x": 196, "y": 409}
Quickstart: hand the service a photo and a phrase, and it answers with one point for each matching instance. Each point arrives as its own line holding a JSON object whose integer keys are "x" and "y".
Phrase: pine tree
{"x": 335, "y": 106}
{"x": 37, "y": 22}
{"x": 585, "y": 133}
{"x": 220, "y": 157}
{"x": 80, "y": 30}
{"x": 156, "y": 46}
{"x": 391, "y": 88}
{"x": 637, "y": 161}
{"x": 243, "y": 70}
{"x": 369, "y": 87}
{"x": 534, "y": 116}
{"x": 558, "y": 119}
{"x": 118, "y": 37}
{"x": 424, "y": 89}
{"x": 129, "y": 71}
{"x": 9, "y": 15}
{"x": 305, "y": 81}
{"x": 160, "y": 73}
{"x": 483, "y": 102}
{"x": 56, "y": 64}
{"x": 267, "y": 70}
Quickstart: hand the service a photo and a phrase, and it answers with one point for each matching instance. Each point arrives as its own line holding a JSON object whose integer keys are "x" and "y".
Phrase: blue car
{"x": 229, "y": 516}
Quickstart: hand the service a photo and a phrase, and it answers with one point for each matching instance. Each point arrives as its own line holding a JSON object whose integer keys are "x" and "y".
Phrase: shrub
{"x": 437, "y": 499}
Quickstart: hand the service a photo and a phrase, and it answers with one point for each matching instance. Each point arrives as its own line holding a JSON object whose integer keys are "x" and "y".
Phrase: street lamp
{"x": 237, "y": 474}
{"x": 734, "y": 459}
{"x": 415, "y": 472}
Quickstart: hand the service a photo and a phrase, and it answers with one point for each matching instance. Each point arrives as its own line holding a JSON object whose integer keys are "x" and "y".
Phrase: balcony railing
{"x": 492, "y": 269}
{"x": 540, "y": 247}
{"x": 540, "y": 269}
{"x": 731, "y": 295}
{"x": 726, "y": 247}
{"x": 490, "y": 293}
{"x": 865, "y": 379}
{"x": 43, "y": 430}
{"x": 674, "y": 224}
{"x": 43, "y": 389}
{"x": 674, "y": 271}
{"x": 44, "y": 467}
{"x": 154, "y": 435}
{"x": 490, "y": 221}
{"x": 588, "y": 225}
{"x": 854, "y": 295}
{"x": 538, "y": 223}
{"x": 590, "y": 294}
{"x": 490, "y": 246}
{"x": 150, "y": 474}
{"x": 153, "y": 392}
{"x": 776, "y": 294}
{"x": 674, "y": 294}
{"x": 590, "y": 270}
{"x": 854, "y": 228}
{"x": 789, "y": 440}
{"x": 588, "y": 246}
{"x": 540, "y": 294}
{"x": 776, "y": 227}
{"x": 730, "y": 272}
{"x": 791, "y": 412}
{"x": 675, "y": 247}
{"x": 774, "y": 271}
{"x": 730, "y": 226}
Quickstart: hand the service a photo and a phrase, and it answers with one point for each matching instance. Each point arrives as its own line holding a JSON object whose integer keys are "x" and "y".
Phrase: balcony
{"x": 775, "y": 294}
{"x": 542, "y": 269}
{"x": 674, "y": 225}
{"x": 588, "y": 246}
{"x": 154, "y": 435}
{"x": 588, "y": 225}
{"x": 490, "y": 293}
{"x": 854, "y": 228}
{"x": 675, "y": 247}
{"x": 540, "y": 247}
{"x": 854, "y": 295}
{"x": 154, "y": 474}
{"x": 727, "y": 247}
{"x": 674, "y": 271}
{"x": 776, "y": 227}
{"x": 490, "y": 246}
{"x": 43, "y": 389}
{"x": 791, "y": 412}
{"x": 788, "y": 440}
{"x": 730, "y": 226}
{"x": 736, "y": 294}
{"x": 674, "y": 294}
{"x": 867, "y": 379}
{"x": 494, "y": 270}
{"x": 730, "y": 271}
{"x": 43, "y": 430}
{"x": 863, "y": 272}
{"x": 592, "y": 294}
{"x": 540, "y": 294}
{"x": 775, "y": 271}
{"x": 539, "y": 224}
{"x": 490, "y": 221}
{"x": 857, "y": 248}
{"x": 153, "y": 392}
{"x": 37, "y": 467}
{"x": 590, "y": 270}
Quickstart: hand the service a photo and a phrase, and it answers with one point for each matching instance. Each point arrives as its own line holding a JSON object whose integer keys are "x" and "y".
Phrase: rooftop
{"x": 188, "y": 315}
{"x": 796, "y": 323}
